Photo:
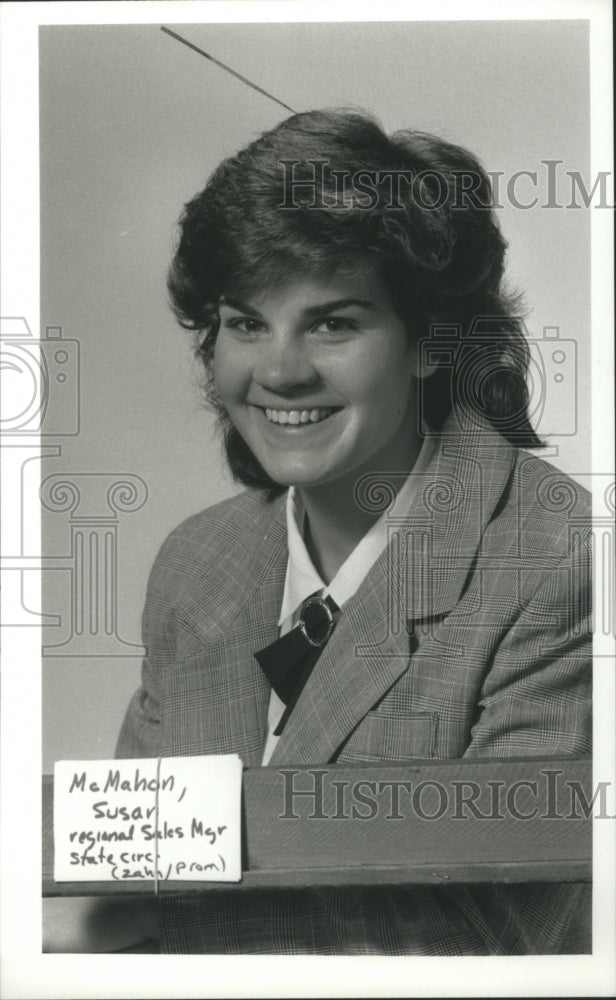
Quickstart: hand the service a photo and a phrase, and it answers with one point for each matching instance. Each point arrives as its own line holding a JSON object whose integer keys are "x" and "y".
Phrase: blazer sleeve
{"x": 536, "y": 695}
{"x": 536, "y": 701}
{"x": 140, "y": 733}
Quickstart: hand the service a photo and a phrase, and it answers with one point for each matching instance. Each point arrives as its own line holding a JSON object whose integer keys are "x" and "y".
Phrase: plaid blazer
{"x": 470, "y": 636}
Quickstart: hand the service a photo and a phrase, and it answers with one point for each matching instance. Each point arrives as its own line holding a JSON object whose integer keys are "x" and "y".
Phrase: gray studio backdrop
{"x": 132, "y": 123}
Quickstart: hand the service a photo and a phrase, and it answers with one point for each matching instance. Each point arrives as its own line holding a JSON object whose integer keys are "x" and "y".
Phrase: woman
{"x": 369, "y": 374}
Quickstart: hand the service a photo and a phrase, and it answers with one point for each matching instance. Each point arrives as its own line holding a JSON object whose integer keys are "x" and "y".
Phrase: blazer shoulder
{"x": 208, "y": 542}
{"x": 546, "y": 500}
{"x": 248, "y": 508}
{"x": 551, "y": 489}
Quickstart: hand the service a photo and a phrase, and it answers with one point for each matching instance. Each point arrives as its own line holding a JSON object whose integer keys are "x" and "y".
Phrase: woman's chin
{"x": 299, "y": 475}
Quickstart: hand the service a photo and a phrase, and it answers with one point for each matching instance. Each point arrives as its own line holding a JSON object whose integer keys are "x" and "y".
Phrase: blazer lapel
{"x": 441, "y": 535}
{"x": 357, "y": 667}
{"x": 421, "y": 574}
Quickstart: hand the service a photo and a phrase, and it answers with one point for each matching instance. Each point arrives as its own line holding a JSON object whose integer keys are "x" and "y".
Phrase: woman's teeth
{"x": 297, "y": 416}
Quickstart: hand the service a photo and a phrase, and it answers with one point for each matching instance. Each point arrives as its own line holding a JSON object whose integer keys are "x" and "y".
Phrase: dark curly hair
{"x": 430, "y": 234}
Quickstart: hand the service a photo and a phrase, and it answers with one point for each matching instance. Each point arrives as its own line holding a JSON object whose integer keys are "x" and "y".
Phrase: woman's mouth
{"x": 296, "y": 417}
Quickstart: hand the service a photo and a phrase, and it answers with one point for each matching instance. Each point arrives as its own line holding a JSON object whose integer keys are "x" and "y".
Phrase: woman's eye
{"x": 244, "y": 324}
{"x": 335, "y": 324}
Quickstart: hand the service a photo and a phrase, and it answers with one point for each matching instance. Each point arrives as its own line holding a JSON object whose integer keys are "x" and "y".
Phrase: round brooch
{"x": 317, "y": 621}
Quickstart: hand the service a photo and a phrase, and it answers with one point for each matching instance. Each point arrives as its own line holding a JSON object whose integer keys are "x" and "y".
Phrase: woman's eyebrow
{"x": 310, "y": 312}
{"x": 328, "y": 307}
{"x": 240, "y": 306}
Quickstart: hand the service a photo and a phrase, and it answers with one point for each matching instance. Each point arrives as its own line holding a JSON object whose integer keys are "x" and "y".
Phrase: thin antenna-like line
{"x": 238, "y": 76}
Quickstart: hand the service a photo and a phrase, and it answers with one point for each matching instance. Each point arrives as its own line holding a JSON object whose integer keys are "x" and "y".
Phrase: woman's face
{"x": 317, "y": 377}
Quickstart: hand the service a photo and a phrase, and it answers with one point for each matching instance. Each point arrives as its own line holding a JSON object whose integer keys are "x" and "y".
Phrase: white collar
{"x": 302, "y": 579}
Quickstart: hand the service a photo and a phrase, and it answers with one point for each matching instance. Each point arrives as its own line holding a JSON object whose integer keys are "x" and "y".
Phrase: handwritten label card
{"x": 175, "y": 819}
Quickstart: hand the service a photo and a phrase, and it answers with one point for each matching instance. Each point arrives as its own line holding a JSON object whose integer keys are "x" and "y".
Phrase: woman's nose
{"x": 283, "y": 363}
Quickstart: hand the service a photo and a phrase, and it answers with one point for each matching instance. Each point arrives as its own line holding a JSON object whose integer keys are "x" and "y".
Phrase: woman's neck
{"x": 336, "y": 522}
{"x": 332, "y": 531}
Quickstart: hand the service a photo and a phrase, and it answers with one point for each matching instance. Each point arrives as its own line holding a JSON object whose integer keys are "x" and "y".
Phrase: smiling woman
{"x": 320, "y": 387}
{"x": 369, "y": 374}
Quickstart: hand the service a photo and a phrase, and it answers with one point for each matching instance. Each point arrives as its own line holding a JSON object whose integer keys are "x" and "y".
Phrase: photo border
{"x": 26, "y": 972}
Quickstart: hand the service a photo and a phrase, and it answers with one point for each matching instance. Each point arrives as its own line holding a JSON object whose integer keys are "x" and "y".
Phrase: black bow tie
{"x": 288, "y": 662}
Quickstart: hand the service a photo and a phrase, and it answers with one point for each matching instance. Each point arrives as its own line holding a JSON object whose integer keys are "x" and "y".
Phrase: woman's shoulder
{"x": 245, "y": 511}
{"x": 548, "y": 490}
{"x": 221, "y": 535}
{"x": 543, "y": 508}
